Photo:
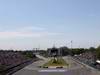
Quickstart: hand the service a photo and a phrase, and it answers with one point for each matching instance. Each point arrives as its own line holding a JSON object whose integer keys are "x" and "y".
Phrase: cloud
{"x": 35, "y": 32}
{"x": 17, "y": 34}
{"x": 31, "y": 28}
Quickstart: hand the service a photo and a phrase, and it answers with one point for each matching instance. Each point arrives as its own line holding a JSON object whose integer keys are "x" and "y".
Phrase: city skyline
{"x": 28, "y": 24}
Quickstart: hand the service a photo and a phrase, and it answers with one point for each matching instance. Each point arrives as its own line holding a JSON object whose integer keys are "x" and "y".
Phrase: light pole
{"x": 71, "y": 44}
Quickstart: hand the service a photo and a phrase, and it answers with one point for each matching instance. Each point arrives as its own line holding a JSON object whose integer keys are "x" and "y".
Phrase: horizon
{"x": 34, "y": 49}
{"x": 28, "y": 24}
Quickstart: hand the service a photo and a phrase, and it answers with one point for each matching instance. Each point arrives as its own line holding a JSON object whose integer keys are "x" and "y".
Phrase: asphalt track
{"x": 75, "y": 68}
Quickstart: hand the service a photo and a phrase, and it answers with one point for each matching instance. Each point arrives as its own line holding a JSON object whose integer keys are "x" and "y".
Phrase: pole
{"x": 71, "y": 44}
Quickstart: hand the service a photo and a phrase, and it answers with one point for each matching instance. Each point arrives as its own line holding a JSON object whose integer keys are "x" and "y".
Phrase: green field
{"x": 59, "y": 62}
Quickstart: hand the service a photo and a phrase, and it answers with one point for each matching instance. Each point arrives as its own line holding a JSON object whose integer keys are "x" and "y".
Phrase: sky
{"x": 28, "y": 24}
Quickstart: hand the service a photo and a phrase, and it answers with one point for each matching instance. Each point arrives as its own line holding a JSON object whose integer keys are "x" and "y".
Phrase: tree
{"x": 92, "y": 49}
{"x": 77, "y": 51}
{"x": 65, "y": 50}
{"x": 98, "y": 52}
{"x": 28, "y": 54}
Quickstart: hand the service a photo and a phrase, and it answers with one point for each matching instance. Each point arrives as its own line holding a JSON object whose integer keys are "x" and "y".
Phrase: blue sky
{"x": 27, "y": 24}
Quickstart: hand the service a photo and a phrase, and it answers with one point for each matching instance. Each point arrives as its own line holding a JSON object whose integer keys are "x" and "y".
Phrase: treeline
{"x": 79, "y": 51}
{"x": 28, "y": 54}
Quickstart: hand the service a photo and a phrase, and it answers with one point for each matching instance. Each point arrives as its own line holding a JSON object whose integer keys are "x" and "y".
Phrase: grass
{"x": 59, "y": 62}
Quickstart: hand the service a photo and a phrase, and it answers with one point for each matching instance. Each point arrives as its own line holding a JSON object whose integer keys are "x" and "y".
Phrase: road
{"x": 75, "y": 68}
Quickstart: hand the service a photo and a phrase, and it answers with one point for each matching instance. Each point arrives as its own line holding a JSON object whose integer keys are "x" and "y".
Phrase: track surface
{"x": 75, "y": 68}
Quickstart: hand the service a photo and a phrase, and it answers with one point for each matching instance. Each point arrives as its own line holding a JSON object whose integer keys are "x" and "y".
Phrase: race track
{"x": 75, "y": 68}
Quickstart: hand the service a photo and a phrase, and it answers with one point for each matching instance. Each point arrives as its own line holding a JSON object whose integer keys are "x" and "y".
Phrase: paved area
{"x": 75, "y": 68}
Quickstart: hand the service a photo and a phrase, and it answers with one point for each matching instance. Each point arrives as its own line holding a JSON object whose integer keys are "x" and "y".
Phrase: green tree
{"x": 92, "y": 49}
{"x": 98, "y": 52}
{"x": 65, "y": 50}
{"x": 28, "y": 54}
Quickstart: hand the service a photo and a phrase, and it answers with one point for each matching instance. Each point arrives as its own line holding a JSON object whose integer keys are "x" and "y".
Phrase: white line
{"x": 51, "y": 70}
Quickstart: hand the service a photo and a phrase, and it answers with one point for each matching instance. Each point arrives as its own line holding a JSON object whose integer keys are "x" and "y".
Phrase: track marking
{"x": 52, "y": 70}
